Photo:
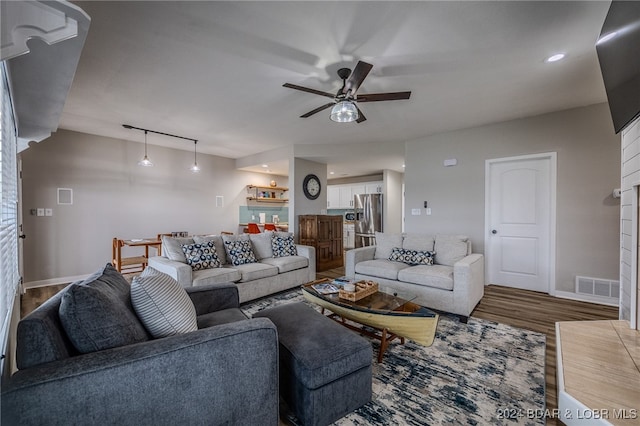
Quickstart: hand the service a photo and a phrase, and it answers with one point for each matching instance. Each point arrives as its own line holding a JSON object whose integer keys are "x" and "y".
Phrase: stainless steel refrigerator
{"x": 368, "y": 218}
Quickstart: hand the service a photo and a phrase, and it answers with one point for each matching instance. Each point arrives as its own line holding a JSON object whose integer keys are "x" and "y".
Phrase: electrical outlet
{"x": 428, "y": 211}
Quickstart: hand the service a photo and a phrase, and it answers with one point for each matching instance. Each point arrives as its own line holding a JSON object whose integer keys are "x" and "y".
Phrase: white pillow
{"x": 450, "y": 249}
{"x": 162, "y": 305}
{"x": 172, "y": 247}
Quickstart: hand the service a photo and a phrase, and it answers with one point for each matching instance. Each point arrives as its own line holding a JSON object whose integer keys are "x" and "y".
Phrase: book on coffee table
{"x": 325, "y": 288}
{"x": 341, "y": 281}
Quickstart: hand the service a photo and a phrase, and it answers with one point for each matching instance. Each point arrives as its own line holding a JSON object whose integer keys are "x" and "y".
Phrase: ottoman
{"x": 325, "y": 368}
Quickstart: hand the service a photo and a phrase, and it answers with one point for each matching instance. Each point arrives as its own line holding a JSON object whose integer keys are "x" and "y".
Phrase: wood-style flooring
{"x": 519, "y": 308}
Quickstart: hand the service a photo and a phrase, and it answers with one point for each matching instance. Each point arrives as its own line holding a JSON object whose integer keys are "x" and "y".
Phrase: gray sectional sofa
{"x": 454, "y": 282}
{"x": 224, "y": 372}
{"x": 266, "y": 275}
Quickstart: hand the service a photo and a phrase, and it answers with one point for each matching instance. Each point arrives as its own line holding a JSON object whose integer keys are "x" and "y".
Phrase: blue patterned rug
{"x": 473, "y": 374}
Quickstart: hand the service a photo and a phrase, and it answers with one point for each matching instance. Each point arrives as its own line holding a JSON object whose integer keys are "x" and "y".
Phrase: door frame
{"x": 553, "y": 165}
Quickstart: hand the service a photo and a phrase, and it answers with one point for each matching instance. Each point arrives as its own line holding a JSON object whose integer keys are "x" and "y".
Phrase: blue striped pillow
{"x": 162, "y": 305}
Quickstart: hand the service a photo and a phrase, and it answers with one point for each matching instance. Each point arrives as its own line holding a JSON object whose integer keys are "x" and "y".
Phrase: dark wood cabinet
{"x": 324, "y": 232}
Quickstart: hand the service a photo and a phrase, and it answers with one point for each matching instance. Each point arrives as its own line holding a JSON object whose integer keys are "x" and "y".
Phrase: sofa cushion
{"x": 450, "y": 249}
{"x": 215, "y": 276}
{"x": 288, "y": 263}
{"x": 262, "y": 244}
{"x": 201, "y": 256}
{"x": 96, "y": 314}
{"x": 382, "y": 268}
{"x": 224, "y": 316}
{"x": 411, "y": 257}
{"x": 172, "y": 247}
{"x": 255, "y": 271}
{"x": 217, "y": 241}
{"x": 419, "y": 242}
{"x": 437, "y": 276}
{"x": 162, "y": 304}
{"x": 385, "y": 244}
{"x": 283, "y": 246}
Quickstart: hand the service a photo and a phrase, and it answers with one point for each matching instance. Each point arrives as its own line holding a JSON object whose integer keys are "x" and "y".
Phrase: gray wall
{"x": 114, "y": 197}
{"x": 298, "y": 169}
{"x": 588, "y": 217}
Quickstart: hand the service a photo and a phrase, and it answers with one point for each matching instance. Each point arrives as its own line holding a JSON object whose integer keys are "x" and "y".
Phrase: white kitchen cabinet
{"x": 333, "y": 197}
{"x": 346, "y": 199}
{"x": 373, "y": 188}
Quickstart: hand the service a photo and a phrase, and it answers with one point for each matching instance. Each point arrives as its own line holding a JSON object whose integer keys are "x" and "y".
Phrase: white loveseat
{"x": 453, "y": 283}
{"x": 266, "y": 276}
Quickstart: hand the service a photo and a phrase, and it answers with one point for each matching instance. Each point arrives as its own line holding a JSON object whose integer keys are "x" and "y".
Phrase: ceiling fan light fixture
{"x": 344, "y": 112}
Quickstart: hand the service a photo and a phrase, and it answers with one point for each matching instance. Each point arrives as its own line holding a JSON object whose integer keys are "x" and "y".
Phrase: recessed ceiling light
{"x": 332, "y": 173}
{"x": 605, "y": 38}
{"x": 556, "y": 57}
{"x": 404, "y": 165}
{"x": 265, "y": 165}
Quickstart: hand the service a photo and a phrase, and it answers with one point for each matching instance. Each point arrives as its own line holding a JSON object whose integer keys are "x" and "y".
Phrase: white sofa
{"x": 454, "y": 283}
{"x": 254, "y": 280}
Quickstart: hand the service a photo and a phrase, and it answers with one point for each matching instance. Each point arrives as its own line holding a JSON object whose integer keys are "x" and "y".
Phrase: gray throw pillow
{"x": 450, "y": 249}
{"x": 385, "y": 244}
{"x": 172, "y": 247}
{"x": 96, "y": 314}
{"x": 419, "y": 242}
{"x": 163, "y": 306}
{"x": 262, "y": 244}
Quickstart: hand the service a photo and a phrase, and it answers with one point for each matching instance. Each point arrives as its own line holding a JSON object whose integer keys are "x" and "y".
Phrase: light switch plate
{"x": 415, "y": 212}
{"x": 428, "y": 211}
{"x": 48, "y": 212}
{"x": 40, "y": 212}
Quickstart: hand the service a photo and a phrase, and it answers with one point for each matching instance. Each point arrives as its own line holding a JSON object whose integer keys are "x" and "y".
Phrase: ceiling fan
{"x": 345, "y": 108}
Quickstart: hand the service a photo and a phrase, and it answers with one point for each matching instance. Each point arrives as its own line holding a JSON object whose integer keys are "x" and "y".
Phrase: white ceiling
{"x": 214, "y": 71}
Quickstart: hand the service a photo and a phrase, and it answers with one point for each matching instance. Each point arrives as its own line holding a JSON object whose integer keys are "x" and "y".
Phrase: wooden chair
{"x": 269, "y": 227}
{"x": 252, "y": 228}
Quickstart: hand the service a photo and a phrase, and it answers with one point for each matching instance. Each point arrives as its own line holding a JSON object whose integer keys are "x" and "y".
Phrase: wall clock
{"x": 311, "y": 187}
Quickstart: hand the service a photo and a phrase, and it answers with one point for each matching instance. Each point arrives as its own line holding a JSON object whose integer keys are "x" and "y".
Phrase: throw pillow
{"x": 162, "y": 305}
{"x": 450, "y": 249}
{"x": 201, "y": 256}
{"x": 240, "y": 252}
{"x": 217, "y": 241}
{"x": 172, "y": 247}
{"x": 96, "y": 314}
{"x": 283, "y": 246}
{"x": 412, "y": 257}
{"x": 418, "y": 242}
{"x": 232, "y": 238}
{"x": 261, "y": 244}
{"x": 385, "y": 243}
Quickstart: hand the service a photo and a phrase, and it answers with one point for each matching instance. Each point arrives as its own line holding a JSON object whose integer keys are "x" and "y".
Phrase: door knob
{"x": 23, "y": 236}
{"x": 493, "y": 231}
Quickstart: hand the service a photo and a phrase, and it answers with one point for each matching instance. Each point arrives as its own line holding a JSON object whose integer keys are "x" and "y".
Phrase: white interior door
{"x": 520, "y": 240}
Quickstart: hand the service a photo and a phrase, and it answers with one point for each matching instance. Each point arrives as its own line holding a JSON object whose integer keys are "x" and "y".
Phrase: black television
{"x": 619, "y": 58}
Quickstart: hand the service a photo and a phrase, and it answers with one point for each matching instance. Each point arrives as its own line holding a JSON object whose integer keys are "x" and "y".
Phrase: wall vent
{"x": 598, "y": 289}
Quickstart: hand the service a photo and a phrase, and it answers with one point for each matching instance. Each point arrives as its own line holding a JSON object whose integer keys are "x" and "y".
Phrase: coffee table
{"x": 388, "y": 312}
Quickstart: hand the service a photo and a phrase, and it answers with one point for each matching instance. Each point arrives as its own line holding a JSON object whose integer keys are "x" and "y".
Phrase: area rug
{"x": 478, "y": 373}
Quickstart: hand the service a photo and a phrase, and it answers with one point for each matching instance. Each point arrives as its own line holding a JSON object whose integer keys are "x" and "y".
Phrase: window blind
{"x": 9, "y": 274}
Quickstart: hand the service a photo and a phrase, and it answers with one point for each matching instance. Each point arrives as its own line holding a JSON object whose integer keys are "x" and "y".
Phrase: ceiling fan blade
{"x": 357, "y": 77}
{"x": 361, "y": 116}
{"x": 323, "y": 107}
{"x": 375, "y": 97}
{"x": 306, "y": 89}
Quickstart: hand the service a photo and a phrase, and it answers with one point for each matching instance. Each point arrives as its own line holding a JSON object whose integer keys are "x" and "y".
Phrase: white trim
{"x": 553, "y": 178}
{"x": 633, "y": 287}
{"x": 55, "y": 281}
{"x": 600, "y": 300}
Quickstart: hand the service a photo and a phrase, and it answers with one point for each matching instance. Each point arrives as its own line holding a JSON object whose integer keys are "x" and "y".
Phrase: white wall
{"x": 629, "y": 256}
{"x": 588, "y": 171}
{"x": 298, "y": 169}
{"x": 114, "y": 197}
{"x": 392, "y": 200}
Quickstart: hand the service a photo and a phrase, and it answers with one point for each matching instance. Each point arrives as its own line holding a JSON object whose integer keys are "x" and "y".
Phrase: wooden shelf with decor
{"x": 267, "y": 194}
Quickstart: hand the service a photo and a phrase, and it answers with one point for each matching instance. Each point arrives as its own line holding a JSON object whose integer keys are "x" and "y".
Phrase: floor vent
{"x": 598, "y": 288}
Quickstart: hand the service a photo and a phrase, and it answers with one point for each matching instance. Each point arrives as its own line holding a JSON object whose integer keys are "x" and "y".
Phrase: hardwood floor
{"x": 519, "y": 308}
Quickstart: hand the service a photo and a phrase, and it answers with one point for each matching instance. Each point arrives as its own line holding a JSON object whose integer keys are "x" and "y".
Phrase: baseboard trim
{"x": 586, "y": 298}
{"x": 54, "y": 281}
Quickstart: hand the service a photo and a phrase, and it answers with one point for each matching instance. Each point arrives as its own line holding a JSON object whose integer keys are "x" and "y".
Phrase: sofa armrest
{"x": 179, "y": 271}
{"x": 310, "y": 253}
{"x": 192, "y": 378}
{"x": 356, "y": 256}
{"x": 214, "y": 297}
{"x": 468, "y": 281}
